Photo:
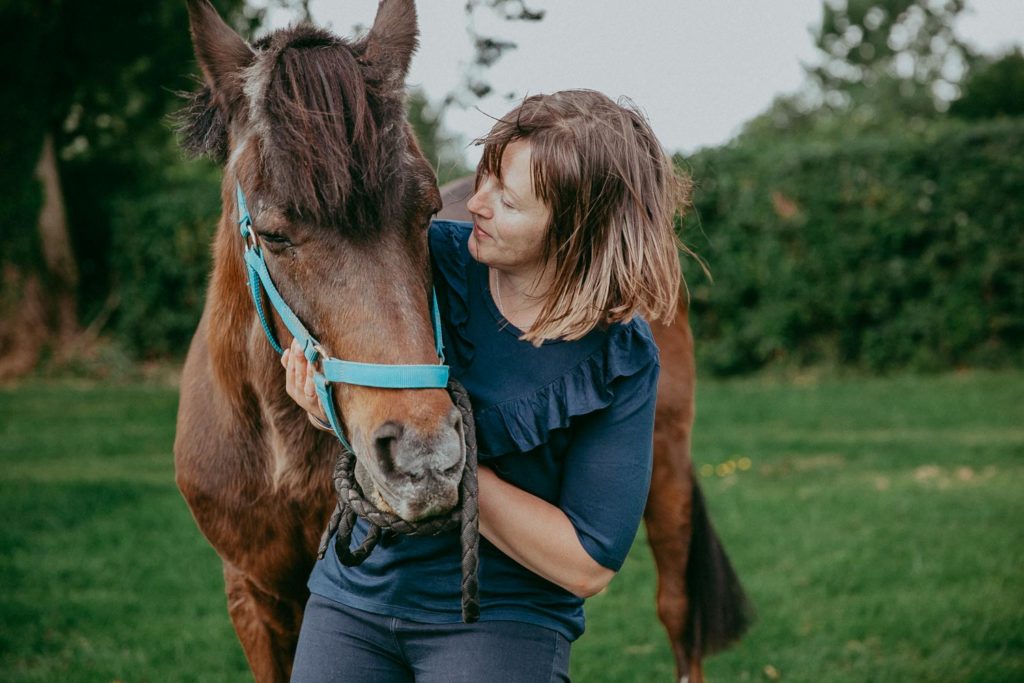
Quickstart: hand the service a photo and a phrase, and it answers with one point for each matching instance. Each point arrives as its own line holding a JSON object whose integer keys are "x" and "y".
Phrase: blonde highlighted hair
{"x": 613, "y": 195}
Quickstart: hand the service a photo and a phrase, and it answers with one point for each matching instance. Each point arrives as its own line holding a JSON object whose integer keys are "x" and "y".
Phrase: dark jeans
{"x": 340, "y": 643}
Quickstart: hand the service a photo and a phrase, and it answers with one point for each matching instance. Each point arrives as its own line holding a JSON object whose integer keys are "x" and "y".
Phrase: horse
{"x": 700, "y": 601}
{"x": 312, "y": 128}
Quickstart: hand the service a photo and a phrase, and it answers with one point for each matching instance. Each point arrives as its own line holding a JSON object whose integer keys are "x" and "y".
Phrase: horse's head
{"x": 313, "y": 128}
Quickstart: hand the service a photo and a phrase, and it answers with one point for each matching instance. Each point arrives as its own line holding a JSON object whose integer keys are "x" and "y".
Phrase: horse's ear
{"x": 393, "y": 39}
{"x": 201, "y": 126}
{"x": 221, "y": 53}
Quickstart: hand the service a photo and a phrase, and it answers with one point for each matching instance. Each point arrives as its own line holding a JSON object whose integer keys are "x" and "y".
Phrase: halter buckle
{"x": 245, "y": 219}
{"x": 248, "y": 234}
{"x": 314, "y": 352}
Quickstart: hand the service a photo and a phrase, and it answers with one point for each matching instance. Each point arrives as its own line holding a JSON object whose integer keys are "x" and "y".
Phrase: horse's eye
{"x": 275, "y": 238}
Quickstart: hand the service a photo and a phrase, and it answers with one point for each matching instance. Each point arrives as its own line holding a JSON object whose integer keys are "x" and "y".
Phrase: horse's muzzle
{"x": 415, "y": 475}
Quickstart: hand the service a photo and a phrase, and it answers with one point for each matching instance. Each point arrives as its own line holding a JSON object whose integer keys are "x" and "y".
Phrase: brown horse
{"x": 700, "y": 600}
{"x": 312, "y": 127}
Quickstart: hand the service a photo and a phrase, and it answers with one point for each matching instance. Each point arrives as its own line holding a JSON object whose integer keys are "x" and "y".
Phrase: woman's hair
{"x": 613, "y": 195}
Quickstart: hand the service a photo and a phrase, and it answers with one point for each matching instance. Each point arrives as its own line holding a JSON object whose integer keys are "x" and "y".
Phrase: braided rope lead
{"x": 466, "y": 516}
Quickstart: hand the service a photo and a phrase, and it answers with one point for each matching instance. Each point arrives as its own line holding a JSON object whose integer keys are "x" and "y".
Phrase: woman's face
{"x": 509, "y": 221}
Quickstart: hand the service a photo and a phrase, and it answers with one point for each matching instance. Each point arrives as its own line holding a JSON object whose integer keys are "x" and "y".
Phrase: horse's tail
{"x": 720, "y": 612}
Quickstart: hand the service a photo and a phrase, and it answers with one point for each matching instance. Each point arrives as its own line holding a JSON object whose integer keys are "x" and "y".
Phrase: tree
{"x": 443, "y": 150}
{"x": 87, "y": 101}
{"x": 994, "y": 88}
{"x": 898, "y": 56}
{"x": 883, "y": 64}
{"x": 488, "y": 49}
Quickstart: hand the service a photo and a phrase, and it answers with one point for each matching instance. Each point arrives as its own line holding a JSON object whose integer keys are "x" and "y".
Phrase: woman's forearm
{"x": 537, "y": 535}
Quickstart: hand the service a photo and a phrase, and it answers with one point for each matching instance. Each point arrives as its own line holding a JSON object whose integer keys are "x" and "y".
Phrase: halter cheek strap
{"x": 331, "y": 369}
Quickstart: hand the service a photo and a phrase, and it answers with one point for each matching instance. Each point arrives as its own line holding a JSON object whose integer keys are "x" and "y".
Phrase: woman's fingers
{"x": 309, "y": 385}
{"x": 286, "y": 361}
{"x": 294, "y": 373}
{"x": 295, "y": 363}
{"x": 299, "y": 380}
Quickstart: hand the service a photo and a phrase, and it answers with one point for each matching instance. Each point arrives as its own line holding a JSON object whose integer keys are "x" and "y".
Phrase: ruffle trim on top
{"x": 524, "y": 423}
{"x": 451, "y": 255}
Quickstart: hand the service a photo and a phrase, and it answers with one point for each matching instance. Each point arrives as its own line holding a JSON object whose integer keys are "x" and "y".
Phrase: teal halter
{"x": 332, "y": 369}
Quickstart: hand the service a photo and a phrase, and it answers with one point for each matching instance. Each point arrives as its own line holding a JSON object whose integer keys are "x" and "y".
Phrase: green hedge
{"x": 161, "y": 259}
{"x": 884, "y": 252}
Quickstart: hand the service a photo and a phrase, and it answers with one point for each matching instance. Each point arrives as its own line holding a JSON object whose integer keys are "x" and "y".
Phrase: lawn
{"x": 879, "y": 530}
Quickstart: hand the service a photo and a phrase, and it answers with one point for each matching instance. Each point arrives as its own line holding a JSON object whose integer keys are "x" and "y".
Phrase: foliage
{"x": 880, "y": 228}
{"x": 883, "y": 65}
{"x": 162, "y": 259}
{"x": 896, "y": 56}
{"x": 442, "y": 149}
{"x": 878, "y": 252}
{"x": 876, "y": 532}
{"x": 101, "y": 90}
{"x": 488, "y": 49}
{"x": 995, "y": 88}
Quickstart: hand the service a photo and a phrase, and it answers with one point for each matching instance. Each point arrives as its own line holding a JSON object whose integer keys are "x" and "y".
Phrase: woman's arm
{"x": 580, "y": 541}
{"x": 537, "y": 535}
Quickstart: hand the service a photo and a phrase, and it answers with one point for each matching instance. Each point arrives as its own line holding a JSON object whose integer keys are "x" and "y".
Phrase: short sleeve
{"x": 608, "y": 468}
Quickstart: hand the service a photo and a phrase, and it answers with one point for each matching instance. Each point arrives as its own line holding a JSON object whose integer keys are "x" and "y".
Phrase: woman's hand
{"x": 299, "y": 383}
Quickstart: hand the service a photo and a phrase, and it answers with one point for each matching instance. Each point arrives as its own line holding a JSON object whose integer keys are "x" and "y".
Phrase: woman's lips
{"x": 479, "y": 231}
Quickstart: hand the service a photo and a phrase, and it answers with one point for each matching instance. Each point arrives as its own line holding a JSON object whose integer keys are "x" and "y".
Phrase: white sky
{"x": 698, "y": 68}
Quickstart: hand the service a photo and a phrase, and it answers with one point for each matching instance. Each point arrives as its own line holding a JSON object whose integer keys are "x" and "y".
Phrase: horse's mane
{"x": 329, "y": 127}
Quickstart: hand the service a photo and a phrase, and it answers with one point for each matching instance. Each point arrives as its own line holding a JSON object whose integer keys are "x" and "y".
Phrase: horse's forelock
{"x": 326, "y": 133}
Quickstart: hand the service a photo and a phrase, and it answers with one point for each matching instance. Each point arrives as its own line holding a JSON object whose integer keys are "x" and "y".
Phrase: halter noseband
{"x": 332, "y": 369}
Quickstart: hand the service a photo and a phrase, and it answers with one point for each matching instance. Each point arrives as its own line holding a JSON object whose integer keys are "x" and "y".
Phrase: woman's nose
{"x": 477, "y": 204}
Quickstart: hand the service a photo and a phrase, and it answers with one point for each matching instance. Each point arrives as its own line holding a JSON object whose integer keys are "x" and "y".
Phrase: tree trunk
{"x": 38, "y": 309}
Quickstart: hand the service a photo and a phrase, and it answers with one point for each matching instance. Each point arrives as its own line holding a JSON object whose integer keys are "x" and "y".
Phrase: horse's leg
{"x": 669, "y": 513}
{"x": 700, "y": 599}
{"x": 267, "y": 625}
{"x": 669, "y": 530}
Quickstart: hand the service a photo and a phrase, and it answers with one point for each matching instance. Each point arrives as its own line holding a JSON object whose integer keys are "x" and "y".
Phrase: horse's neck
{"x": 229, "y": 313}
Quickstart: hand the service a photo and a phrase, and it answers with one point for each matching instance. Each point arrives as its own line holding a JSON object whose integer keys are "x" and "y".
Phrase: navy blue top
{"x": 570, "y": 422}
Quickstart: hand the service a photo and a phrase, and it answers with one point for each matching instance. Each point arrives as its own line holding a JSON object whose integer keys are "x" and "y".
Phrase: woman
{"x": 572, "y": 241}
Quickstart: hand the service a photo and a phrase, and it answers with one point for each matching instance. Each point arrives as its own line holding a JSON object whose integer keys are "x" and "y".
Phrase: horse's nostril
{"x": 455, "y": 419}
{"x": 385, "y": 440}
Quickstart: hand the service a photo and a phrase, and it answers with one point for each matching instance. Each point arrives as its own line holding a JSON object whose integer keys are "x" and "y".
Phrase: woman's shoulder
{"x": 449, "y": 238}
{"x": 449, "y": 252}
{"x": 634, "y": 340}
{"x": 450, "y": 261}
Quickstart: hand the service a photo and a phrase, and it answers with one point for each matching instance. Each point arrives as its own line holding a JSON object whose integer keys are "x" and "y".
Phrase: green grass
{"x": 878, "y": 532}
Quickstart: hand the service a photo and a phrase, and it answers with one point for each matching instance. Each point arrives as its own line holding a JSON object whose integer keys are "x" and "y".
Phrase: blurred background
{"x": 859, "y": 205}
